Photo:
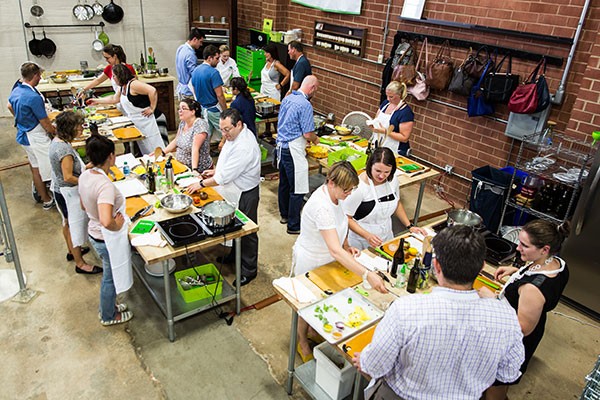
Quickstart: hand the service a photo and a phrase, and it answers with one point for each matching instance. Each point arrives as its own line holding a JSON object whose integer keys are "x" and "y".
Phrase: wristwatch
{"x": 411, "y": 225}
{"x": 202, "y": 183}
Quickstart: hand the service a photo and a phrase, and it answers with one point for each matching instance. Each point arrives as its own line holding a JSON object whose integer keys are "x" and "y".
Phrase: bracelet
{"x": 411, "y": 225}
{"x": 364, "y": 276}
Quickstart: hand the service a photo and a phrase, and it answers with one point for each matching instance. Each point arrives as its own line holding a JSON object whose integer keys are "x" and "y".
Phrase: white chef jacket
{"x": 239, "y": 162}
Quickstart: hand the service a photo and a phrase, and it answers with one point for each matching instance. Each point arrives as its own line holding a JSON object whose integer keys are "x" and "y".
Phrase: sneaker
{"x": 283, "y": 221}
{"x": 48, "y": 204}
{"x": 293, "y": 232}
{"x": 34, "y": 193}
{"x": 125, "y": 316}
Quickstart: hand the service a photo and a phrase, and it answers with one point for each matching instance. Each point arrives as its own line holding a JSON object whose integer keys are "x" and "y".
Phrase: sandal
{"x": 305, "y": 357}
{"x": 119, "y": 307}
{"x": 125, "y": 316}
{"x": 84, "y": 251}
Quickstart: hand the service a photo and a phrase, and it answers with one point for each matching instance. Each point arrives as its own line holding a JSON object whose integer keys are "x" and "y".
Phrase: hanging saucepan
{"x": 112, "y": 13}
{"x": 34, "y": 45}
{"x": 97, "y": 44}
{"x": 36, "y": 10}
{"x": 104, "y": 37}
{"x": 47, "y": 46}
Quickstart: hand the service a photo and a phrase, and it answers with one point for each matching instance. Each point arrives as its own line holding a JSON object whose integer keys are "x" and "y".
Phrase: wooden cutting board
{"x": 408, "y": 166}
{"x": 391, "y": 247}
{"x": 111, "y": 113}
{"x": 134, "y": 204}
{"x": 334, "y": 277}
{"x": 127, "y": 133}
{"x": 482, "y": 281}
{"x": 177, "y": 166}
{"x": 360, "y": 341}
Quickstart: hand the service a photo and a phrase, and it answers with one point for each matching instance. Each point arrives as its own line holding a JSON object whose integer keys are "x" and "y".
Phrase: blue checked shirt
{"x": 295, "y": 118}
{"x": 446, "y": 345}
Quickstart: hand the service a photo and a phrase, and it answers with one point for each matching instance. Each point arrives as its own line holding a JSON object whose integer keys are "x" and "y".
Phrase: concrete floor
{"x": 54, "y": 347}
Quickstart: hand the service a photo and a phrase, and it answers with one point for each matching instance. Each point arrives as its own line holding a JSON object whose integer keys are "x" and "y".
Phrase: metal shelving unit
{"x": 566, "y": 152}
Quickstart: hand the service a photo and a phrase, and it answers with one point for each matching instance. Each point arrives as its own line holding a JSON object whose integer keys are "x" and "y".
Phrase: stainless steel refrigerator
{"x": 581, "y": 251}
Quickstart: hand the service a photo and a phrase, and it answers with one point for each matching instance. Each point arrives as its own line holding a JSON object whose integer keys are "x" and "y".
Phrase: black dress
{"x": 551, "y": 289}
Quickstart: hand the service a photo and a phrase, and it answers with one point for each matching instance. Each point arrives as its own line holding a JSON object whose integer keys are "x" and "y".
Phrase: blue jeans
{"x": 290, "y": 203}
{"x": 213, "y": 124}
{"x": 108, "y": 294}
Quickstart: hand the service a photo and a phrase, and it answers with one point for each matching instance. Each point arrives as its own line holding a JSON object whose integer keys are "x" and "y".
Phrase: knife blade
{"x": 141, "y": 213}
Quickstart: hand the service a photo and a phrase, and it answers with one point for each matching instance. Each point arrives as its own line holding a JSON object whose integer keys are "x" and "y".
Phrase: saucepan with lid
{"x": 218, "y": 214}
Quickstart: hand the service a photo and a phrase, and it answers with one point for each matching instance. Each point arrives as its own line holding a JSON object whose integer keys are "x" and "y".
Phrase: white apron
{"x": 119, "y": 252}
{"x": 146, "y": 125}
{"x": 378, "y": 221}
{"x": 298, "y": 151}
{"x": 383, "y": 121}
{"x": 267, "y": 86}
{"x": 77, "y": 217}
{"x": 39, "y": 143}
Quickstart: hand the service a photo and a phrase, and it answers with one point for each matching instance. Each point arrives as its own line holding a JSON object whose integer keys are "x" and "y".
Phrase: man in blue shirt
{"x": 26, "y": 103}
{"x": 208, "y": 89}
{"x": 301, "y": 69}
{"x": 295, "y": 126}
{"x": 186, "y": 61}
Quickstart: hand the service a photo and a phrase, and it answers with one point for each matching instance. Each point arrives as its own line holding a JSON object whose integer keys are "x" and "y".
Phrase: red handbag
{"x": 525, "y": 98}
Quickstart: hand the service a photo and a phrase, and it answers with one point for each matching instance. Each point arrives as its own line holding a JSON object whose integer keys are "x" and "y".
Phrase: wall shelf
{"x": 340, "y": 39}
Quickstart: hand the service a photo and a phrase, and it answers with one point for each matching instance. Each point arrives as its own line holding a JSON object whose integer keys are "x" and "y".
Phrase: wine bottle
{"x": 398, "y": 259}
{"x": 413, "y": 277}
{"x": 151, "y": 180}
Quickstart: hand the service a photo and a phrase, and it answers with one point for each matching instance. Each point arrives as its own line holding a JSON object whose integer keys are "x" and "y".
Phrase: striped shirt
{"x": 447, "y": 345}
{"x": 295, "y": 118}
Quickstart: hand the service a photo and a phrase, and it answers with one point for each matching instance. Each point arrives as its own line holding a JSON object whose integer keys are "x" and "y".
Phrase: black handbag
{"x": 542, "y": 89}
{"x": 497, "y": 86}
{"x": 461, "y": 83}
{"x": 476, "y": 63}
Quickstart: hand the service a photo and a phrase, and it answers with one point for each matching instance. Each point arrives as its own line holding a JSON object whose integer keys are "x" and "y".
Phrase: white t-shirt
{"x": 319, "y": 213}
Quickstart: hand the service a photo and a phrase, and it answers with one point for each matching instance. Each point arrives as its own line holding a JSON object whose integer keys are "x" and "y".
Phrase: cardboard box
{"x": 336, "y": 381}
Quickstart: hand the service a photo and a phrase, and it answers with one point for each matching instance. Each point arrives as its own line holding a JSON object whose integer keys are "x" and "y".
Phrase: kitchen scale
{"x": 499, "y": 251}
{"x": 189, "y": 228}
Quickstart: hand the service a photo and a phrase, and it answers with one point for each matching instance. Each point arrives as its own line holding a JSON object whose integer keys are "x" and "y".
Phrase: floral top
{"x": 185, "y": 141}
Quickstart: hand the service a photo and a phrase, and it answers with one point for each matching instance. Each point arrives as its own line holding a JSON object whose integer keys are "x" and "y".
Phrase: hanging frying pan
{"x": 34, "y": 45}
{"x": 112, "y": 13}
{"x": 36, "y": 10}
{"x": 90, "y": 10}
{"x": 98, "y": 8}
{"x": 97, "y": 44}
{"x": 80, "y": 12}
{"x": 47, "y": 46}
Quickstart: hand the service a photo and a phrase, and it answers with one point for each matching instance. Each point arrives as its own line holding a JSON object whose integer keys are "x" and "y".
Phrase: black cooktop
{"x": 190, "y": 228}
{"x": 499, "y": 251}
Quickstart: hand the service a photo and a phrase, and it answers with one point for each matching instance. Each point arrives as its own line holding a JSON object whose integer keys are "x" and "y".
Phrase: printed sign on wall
{"x": 336, "y": 6}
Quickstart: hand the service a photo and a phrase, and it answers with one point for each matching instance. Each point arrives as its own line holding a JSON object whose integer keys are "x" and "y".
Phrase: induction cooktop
{"x": 189, "y": 228}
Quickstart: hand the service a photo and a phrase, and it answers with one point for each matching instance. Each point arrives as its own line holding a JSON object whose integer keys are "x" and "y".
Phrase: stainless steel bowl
{"x": 163, "y": 71}
{"x": 176, "y": 203}
{"x": 463, "y": 217}
{"x": 59, "y": 78}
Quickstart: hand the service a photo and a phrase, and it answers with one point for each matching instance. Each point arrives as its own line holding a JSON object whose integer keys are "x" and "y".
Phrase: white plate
{"x": 564, "y": 177}
{"x": 156, "y": 269}
{"x": 340, "y": 301}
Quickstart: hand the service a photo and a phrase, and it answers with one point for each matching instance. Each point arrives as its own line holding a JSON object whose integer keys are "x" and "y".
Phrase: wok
{"x": 112, "y": 13}
{"x": 463, "y": 217}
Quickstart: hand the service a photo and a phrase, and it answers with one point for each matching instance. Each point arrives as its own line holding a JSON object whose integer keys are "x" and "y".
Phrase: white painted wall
{"x": 164, "y": 21}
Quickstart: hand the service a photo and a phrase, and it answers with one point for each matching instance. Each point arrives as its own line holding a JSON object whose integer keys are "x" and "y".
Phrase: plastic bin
{"x": 356, "y": 158}
{"x": 336, "y": 381}
{"x": 518, "y": 217}
{"x": 201, "y": 292}
{"x": 489, "y": 189}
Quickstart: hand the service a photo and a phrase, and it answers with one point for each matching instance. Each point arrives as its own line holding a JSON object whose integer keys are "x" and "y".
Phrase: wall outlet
{"x": 448, "y": 169}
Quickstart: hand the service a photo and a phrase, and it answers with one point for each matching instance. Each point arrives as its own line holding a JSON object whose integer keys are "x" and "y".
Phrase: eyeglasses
{"x": 183, "y": 109}
{"x": 228, "y": 129}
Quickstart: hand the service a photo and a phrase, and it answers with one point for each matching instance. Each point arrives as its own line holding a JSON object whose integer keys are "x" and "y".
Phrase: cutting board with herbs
{"x": 333, "y": 277}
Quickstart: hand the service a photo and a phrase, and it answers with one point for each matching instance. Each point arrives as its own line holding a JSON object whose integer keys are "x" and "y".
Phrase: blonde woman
{"x": 394, "y": 112}
{"x": 323, "y": 237}
{"x": 227, "y": 66}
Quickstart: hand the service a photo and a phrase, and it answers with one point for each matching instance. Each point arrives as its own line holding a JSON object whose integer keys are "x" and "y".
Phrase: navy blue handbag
{"x": 476, "y": 104}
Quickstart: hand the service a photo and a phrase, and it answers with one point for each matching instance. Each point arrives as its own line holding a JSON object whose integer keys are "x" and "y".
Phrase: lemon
{"x": 412, "y": 251}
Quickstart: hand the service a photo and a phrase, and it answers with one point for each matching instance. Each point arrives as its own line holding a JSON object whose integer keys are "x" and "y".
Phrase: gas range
{"x": 189, "y": 228}
{"x": 499, "y": 251}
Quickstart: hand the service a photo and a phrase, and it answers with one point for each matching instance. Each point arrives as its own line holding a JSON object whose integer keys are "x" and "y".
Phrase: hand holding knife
{"x": 141, "y": 213}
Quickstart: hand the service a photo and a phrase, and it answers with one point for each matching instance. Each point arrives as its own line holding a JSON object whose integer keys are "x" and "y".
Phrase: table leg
{"x": 170, "y": 322}
{"x": 419, "y": 201}
{"x": 238, "y": 274}
{"x": 357, "y": 391}
{"x": 292, "y": 356}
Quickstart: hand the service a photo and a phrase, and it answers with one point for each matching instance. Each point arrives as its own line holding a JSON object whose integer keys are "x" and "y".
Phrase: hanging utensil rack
{"x": 28, "y": 25}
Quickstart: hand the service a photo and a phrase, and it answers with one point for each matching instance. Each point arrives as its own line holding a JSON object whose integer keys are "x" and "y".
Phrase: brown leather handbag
{"x": 476, "y": 63}
{"x": 405, "y": 72}
{"x": 439, "y": 71}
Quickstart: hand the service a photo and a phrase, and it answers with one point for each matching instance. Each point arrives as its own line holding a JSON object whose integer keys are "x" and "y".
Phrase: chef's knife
{"x": 141, "y": 213}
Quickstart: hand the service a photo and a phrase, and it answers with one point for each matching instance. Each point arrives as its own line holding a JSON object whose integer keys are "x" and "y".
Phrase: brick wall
{"x": 443, "y": 133}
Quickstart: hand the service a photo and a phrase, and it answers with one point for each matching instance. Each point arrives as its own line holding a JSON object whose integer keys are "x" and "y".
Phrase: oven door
{"x": 216, "y": 37}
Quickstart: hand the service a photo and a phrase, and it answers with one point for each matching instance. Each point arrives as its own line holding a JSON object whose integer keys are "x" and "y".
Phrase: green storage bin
{"x": 356, "y": 158}
{"x": 201, "y": 292}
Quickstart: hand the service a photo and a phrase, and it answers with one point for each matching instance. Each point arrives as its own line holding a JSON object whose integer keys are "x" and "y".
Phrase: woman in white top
{"x": 227, "y": 66}
{"x": 323, "y": 237}
{"x": 371, "y": 206}
{"x": 394, "y": 120}
{"x": 271, "y": 73}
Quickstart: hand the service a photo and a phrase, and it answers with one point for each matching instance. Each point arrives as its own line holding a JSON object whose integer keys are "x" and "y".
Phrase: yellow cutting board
{"x": 177, "y": 166}
{"x": 334, "y": 277}
{"x": 134, "y": 204}
{"x": 118, "y": 174}
{"x": 482, "y": 281}
{"x": 212, "y": 196}
{"x": 127, "y": 133}
{"x": 360, "y": 341}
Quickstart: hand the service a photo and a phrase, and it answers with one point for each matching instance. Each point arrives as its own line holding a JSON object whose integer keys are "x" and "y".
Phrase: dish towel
{"x": 149, "y": 239}
{"x": 296, "y": 289}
